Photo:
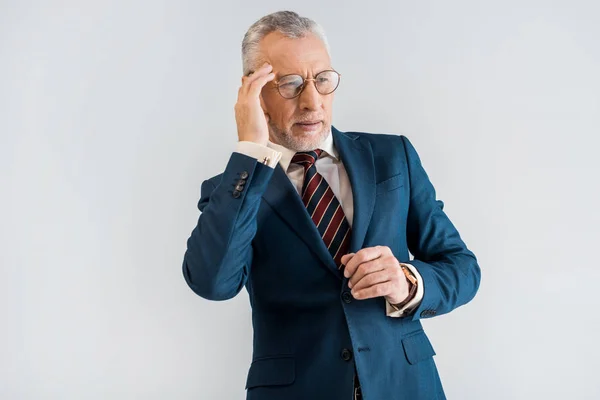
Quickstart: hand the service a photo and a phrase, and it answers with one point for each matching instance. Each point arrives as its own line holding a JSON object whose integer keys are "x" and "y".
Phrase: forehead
{"x": 289, "y": 55}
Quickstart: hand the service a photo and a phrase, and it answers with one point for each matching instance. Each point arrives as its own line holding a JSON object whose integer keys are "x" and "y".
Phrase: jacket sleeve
{"x": 219, "y": 251}
{"x": 449, "y": 270}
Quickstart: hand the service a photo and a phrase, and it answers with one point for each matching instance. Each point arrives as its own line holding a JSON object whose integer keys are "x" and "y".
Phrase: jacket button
{"x": 236, "y": 194}
{"x": 239, "y": 188}
{"x": 241, "y": 182}
{"x": 346, "y": 297}
{"x": 346, "y": 355}
{"x": 244, "y": 175}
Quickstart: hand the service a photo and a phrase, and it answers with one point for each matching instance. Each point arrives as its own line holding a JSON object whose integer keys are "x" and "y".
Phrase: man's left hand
{"x": 375, "y": 272}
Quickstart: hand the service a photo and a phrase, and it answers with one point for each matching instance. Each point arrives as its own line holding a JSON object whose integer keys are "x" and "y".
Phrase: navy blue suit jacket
{"x": 309, "y": 333}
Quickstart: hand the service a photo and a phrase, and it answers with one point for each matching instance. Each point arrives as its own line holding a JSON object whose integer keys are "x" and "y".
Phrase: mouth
{"x": 308, "y": 125}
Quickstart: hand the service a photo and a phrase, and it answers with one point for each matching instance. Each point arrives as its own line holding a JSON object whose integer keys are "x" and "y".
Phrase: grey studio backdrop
{"x": 112, "y": 113}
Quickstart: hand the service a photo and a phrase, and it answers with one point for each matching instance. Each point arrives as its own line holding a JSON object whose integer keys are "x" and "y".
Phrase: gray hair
{"x": 289, "y": 23}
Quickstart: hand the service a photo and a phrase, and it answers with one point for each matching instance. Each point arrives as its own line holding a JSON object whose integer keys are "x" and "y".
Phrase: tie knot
{"x": 306, "y": 158}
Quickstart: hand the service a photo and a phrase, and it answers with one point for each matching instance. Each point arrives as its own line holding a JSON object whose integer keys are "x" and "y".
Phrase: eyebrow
{"x": 316, "y": 73}
{"x": 292, "y": 73}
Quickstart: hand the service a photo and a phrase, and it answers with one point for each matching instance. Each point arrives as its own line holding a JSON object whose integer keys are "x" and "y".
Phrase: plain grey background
{"x": 112, "y": 113}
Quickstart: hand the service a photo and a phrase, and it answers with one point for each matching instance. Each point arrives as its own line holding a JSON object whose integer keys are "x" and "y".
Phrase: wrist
{"x": 412, "y": 287}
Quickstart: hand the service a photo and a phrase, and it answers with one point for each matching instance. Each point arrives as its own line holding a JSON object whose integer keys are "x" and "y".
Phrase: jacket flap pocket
{"x": 389, "y": 184}
{"x": 271, "y": 371}
{"x": 417, "y": 347}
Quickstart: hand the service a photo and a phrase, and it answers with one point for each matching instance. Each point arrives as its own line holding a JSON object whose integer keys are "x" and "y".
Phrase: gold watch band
{"x": 412, "y": 288}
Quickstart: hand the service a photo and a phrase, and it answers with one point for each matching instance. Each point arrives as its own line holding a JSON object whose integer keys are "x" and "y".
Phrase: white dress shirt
{"x": 334, "y": 173}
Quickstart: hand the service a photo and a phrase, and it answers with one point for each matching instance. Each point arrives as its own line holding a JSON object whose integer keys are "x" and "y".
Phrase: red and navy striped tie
{"x": 323, "y": 207}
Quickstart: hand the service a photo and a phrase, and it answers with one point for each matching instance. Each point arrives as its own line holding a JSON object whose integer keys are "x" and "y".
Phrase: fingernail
{"x": 350, "y": 285}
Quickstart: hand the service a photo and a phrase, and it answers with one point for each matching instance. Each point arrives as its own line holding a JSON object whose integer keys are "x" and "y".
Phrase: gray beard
{"x": 287, "y": 140}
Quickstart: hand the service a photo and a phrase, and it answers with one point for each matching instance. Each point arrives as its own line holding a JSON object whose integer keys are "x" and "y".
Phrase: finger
{"x": 252, "y": 76}
{"x": 378, "y": 290}
{"x": 262, "y": 71}
{"x": 347, "y": 257}
{"x": 383, "y": 275}
{"x": 257, "y": 85}
{"x": 363, "y": 255}
{"x": 365, "y": 269}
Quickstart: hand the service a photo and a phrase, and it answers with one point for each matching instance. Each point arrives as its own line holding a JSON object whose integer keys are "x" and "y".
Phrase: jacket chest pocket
{"x": 389, "y": 184}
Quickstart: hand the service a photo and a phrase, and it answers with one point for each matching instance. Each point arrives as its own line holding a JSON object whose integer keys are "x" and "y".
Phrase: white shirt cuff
{"x": 262, "y": 153}
{"x": 414, "y": 303}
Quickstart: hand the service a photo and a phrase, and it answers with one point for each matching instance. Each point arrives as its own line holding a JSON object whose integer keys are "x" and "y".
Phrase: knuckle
{"x": 365, "y": 268}
{"x": 360, "y": 280}
{"x": 383, "y": 249}
{"x": 360, "y": 270}
{"x": 361, "y": 256}
{"x": 369, "y": 267}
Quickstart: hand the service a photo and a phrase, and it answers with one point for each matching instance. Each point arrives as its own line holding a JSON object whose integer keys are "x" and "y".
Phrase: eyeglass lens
{"x": 290, "y": 86}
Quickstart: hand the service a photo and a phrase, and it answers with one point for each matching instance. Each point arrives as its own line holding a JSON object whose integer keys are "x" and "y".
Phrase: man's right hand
{"x": 249, "y": 115}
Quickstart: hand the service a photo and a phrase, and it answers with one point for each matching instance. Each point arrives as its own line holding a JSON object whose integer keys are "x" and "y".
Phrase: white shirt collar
{"x": 287, "y": 154}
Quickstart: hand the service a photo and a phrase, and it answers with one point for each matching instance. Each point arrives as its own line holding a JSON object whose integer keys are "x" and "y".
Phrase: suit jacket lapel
{"x": 357, "y": 156}
{"x": 284, "y": 199}
{"x": 281, "y": 195}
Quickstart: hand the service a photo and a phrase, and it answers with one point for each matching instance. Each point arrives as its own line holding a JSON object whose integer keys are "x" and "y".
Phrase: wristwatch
{"x": 412, "y": 288}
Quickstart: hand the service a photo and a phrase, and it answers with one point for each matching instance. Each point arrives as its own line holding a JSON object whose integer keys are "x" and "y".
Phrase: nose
{"x": 310, "y": 99}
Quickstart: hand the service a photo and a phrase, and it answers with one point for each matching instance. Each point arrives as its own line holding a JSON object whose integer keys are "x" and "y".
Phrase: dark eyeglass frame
{"x": 304, "y": 80}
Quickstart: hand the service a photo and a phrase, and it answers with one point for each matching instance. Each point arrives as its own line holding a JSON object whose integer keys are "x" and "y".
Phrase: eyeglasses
{"x": 290, "y": 86}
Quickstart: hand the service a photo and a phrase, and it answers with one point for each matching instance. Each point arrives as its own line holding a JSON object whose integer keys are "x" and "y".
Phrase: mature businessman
{"x": 317, "y": 224}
